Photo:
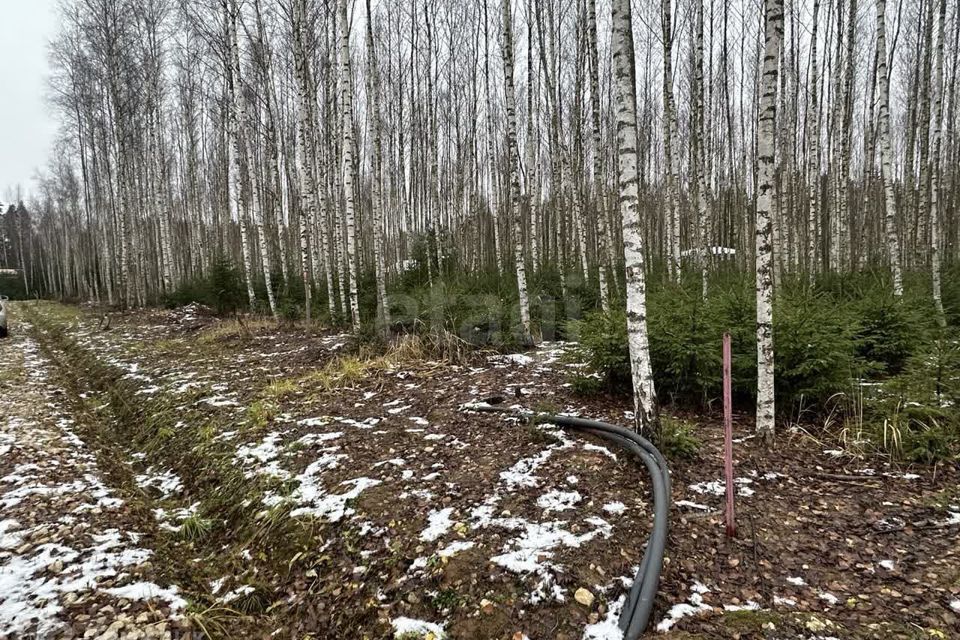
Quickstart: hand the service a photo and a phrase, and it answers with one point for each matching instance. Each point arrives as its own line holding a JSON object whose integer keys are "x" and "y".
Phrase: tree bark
{"x": 644, "y": 393}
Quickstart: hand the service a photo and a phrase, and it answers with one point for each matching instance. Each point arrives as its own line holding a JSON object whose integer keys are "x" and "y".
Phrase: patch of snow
{"x": 559, "y": 500}
{"x": 692, "y": 505}
{"x": 718, "y": 487}
{"x": 403, "y": 626}
{"x": 366, "y": 423}
{"x": 796, "y": 581}
{"x": 396, "y": 462}
{"x": 149, "y": 591}
{"x": 784, "y": 602}
{"x": 615, "y": 508}
{"x": 955, "y": 605}
{"x": 954, "y": 519}
{"x": 538, "y": 540}
{"x": 219, "y": 401}
{"x": 331, "y": 507}
{"x": 889, "y": 565}
{"x": 521, "y": 474}
{"x": 10, "y": 538}
{"x": 316, "y": 438}
{"x": 589, "y": 446}
{"x": 438, "y": 523}
{"x": 455, "y": 547}
{"x": 320, "y": 421}
{"x": 609, "y": 627}
{"x": 749, "y": 605}
{"x": 693, "y": 606}
{"x": 394, "y": 411}
{"x": 829, "y": 598}
{"x": 236, "y": 593}
{"x": 167, "y": 482}
{"x": 263, "y": 456}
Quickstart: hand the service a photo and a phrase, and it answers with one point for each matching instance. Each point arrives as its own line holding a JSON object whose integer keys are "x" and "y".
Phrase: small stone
{"x": 583, "y": 596}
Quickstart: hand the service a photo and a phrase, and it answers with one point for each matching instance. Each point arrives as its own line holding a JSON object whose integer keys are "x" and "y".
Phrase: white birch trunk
{"x": 886, "y": 153}
{"x": 766, "y": 416}
{"x": 603, "y": 231}
{"x": 813, "y": 127}
{"x": 513, "y": 170}
{"x": 304, "y": 174}
{"x": 236, "y": 145}
{"x": 644, "y": 393}
{"x": 936, "y": 141}
{"x": 376, "y": 197}
{"x": 673, "y": 204}
{"x": 349, "y": 174}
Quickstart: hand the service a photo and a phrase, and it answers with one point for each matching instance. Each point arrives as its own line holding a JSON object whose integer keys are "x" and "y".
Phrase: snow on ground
{"x": 718, "y": 487}
{"x": 438, "y": 523}
{"x": 692, "y": 606}
{"x": 454, "y": 548}
{"x": 166, "y": 482}
{"x": 559, "y": 500}
{"x": 261, "y": 459}
{"x": 61, "y": 536}
{"x": 691, "y": 505}
{"x": 608, "y": 628}
{"x": 317, "y": 502}
{"x": 405, "y": 627}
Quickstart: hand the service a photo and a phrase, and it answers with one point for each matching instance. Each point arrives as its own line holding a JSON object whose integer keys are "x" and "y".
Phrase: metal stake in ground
{"x": 728, "y": 432}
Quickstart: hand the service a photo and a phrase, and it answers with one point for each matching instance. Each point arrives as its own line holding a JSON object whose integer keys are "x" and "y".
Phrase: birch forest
{"x": 326, "y": 148}
{"x": 262, "y": 217}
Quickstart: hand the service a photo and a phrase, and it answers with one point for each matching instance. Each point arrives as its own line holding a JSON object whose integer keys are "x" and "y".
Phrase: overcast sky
{"x": 27, "y": 126}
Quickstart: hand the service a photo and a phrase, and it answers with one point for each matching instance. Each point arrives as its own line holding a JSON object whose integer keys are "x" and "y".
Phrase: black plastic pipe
{"x": 639, "y": 604}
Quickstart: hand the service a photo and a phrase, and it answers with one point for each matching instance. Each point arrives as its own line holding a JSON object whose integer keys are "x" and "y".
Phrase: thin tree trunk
{"x": 376, "y": 196}
{"x": 934, "y": 169}
{"x": 766, "y": 416}
{"x": 349, "y": 171}
{"x": 886, "y": 153}
{"x": 644, "y": 393}
{"x": 513, "y": 170}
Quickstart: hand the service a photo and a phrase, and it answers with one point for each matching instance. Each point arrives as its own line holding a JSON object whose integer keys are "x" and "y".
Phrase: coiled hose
{"x": 639, "y": 604}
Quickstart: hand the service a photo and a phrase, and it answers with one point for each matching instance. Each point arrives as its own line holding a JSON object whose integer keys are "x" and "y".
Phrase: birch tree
{"x": 513, "y": 173}
{"x": 764, "y": 241}
{"x": 644, "y": 393}
{"x": 349, "y": 172}
{"x": 376, "y": 195}
{"x": 886, "y": 153}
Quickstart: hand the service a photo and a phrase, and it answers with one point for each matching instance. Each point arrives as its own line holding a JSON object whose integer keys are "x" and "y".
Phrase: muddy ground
{"x": 244, "y": 480}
